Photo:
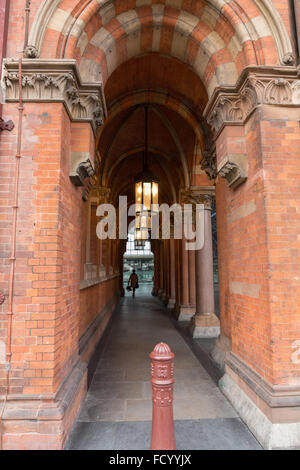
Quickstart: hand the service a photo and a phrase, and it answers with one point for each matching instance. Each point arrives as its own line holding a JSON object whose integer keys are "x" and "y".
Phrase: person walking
{"x": 133, "y": 282}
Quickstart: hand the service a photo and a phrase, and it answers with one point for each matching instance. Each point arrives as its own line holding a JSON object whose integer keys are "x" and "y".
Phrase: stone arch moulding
{"x": 69, "y": 25}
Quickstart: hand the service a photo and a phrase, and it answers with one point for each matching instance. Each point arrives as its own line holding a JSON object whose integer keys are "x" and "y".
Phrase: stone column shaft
{"x": 172, "y": 298}
{"x": 205, "y": 323}
{"x": 192, "y": 280}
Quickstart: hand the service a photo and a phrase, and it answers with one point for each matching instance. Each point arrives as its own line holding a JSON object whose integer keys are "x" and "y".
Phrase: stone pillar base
{"x": 184, "y": 312}
{"x": 270, "y": 435}
{"x": 171, "y": 304}
{"x": 43, "y": 423}
{"x": 221, "y": 348}
{"x": 205, "y": 326}
{"x": 160, "y": 292}
{"x": 154, "y": 291}
{"x": 272, "y": 412}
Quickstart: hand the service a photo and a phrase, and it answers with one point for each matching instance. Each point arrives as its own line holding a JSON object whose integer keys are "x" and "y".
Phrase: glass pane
{"x": 154, "y": 193}
{"x": 144, "y": 221}
{"x": 147, "y": 196}
{"x": 138, "y": 196}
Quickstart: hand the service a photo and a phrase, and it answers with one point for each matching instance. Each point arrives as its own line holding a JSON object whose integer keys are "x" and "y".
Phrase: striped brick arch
{"x": 217, "y": 38}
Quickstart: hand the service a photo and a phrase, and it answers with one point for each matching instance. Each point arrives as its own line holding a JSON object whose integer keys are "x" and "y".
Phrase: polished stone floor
{"x": 117, "y": 410}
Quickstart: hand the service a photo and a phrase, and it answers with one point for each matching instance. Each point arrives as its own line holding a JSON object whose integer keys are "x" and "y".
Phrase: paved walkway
{"x": 117, "y": 410}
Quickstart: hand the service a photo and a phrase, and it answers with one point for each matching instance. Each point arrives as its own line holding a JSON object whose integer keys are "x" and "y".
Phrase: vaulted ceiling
{"x": 173, "y": 93}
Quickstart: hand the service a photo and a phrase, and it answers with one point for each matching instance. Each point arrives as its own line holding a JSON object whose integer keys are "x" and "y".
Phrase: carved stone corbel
{"x": 234, "y": 169}
{"x": 81, "y": 167}
{"x": 30, "y": 52}
{"x": 6, "y": 125}
{"x": 209, "y": 164}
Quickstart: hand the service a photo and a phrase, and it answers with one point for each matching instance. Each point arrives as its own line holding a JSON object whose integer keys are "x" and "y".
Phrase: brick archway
{"x": 213, "y": 37}
{"x": 229, "y": 128}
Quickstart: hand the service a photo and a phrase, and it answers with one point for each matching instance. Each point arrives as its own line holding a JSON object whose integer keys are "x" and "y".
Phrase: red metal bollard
{"x": 162, "y": 369}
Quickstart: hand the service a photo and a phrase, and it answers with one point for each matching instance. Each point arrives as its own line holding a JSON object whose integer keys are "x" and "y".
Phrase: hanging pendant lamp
{"x": 146, "y": 193}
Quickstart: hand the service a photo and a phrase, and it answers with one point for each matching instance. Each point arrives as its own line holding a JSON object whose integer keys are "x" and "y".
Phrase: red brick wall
{"x": 242, "y": 249}
{"x": 94, "y": 299}
{"x": 47, "y": 318}
{"x": 259, "y": 252}
{"x": 280, "y": 137}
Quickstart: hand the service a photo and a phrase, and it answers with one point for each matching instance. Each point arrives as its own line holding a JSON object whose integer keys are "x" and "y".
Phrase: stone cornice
{"x": 56, "y": 81}
{"x": 279, "y": 86}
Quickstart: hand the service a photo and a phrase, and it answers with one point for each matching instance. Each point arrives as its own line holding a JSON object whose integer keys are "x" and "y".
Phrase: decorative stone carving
{"x": 31, "y": 52}
{"x": 104, "y": 194}
{"x": 209, "y": 164}
{"x": 195, "y": 195}
{"x": 57, "y": 81}
{"x": 6, "y": 125}
{"x": 234, "y": 169}
{"x": 81, "y": 167}
{"x": 278, "y": 86}
{"x": 85, "y": 170}
{"x": 288, "y": 59}
{"x": 91, "y": 188}
{"x": 278, "y": 91}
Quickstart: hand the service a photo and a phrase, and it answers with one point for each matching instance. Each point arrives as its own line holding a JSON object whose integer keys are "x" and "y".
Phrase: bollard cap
{"x": 162, "y": 351}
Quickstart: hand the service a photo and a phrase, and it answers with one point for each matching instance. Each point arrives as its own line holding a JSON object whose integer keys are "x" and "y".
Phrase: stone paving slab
{"x": 204, "y": 434}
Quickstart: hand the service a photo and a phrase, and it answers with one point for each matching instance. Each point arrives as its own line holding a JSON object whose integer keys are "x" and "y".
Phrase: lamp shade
{"x": 146, "y": 194}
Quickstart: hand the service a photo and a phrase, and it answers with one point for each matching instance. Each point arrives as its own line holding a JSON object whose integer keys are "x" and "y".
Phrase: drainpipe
{"x": 12, "y": 258}
{"x": 14, "y": 223}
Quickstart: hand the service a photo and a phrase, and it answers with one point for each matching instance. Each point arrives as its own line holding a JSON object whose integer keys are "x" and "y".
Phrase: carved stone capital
{"x": 103, "y": 193}
{"x": 279, "y": 86}
{"x": 56, "y": 81}
{"x": 197, "y": 195}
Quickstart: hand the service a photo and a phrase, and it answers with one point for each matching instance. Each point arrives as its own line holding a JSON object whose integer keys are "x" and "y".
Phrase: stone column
{"x": 185, "y": 274}
{"x": 183, "y": 310}
{"x": 165, "y": 295}
{"x": 177, "y": 272}
{"x": 192, "y": 280}
{"x": 204, "y": 323}
{"x": 161, "y": 269}
{"x": 172, "y": 298}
